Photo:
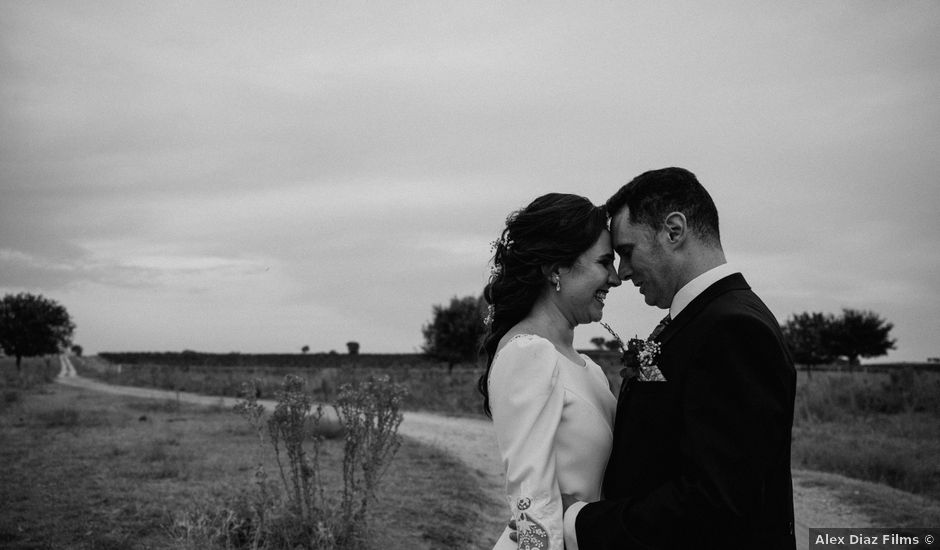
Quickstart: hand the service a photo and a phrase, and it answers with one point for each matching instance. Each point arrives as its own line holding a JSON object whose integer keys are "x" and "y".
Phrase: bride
{"x": 552, "y": 407}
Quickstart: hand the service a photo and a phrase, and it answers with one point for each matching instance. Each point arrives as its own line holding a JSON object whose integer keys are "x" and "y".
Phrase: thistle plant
{"x": 371, "y": 414}
{"x": 307, "y": 523}
{"x": 288, "y": 427}
{"x": 253, "y": 412}
{"x": 302, "y": 517}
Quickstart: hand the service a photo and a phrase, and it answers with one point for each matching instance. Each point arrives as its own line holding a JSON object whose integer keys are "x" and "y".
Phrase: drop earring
{"x": 557, "y": 283}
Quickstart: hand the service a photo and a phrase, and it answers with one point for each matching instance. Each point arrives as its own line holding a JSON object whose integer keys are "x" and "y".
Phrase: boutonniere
{"x": 638, "y": 358}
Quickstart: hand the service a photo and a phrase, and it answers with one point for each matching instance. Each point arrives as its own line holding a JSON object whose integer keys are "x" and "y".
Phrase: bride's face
{"x": 585, "y": 284}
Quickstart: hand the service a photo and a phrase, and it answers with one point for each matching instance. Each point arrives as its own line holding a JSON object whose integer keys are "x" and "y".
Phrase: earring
{"x": 557, "y": 283}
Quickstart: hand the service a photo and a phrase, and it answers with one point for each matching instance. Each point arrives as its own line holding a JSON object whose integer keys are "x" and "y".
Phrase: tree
{"x": 32, "y": 325}
{"x": 599, "y": 342}
{"x": 859, "y": 333}
{"x": 305, "y": 349}
{"x": 818, "y": 338}
{"x": 77, "y": 350}
{"x": 808, "y": 336}
{"x": 353, "y": 348}
{"x": 455, "y": 331}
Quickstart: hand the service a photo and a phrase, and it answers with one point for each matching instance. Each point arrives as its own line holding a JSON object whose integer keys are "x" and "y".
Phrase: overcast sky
{"x": 232, "y": 176}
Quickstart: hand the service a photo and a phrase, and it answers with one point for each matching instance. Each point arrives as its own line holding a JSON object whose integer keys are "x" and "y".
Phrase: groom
{"x": 702, "y": 459}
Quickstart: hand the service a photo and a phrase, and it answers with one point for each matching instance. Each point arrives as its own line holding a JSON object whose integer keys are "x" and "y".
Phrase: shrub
{"x": 371, "y": 413}
{"x": 298, "y": 512}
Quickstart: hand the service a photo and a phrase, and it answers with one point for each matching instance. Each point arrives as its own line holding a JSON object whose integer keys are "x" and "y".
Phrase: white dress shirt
{"x": 696, "y": 286}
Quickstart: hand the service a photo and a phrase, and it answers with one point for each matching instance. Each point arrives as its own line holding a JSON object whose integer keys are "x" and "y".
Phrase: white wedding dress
{"x": 554, "y": 426}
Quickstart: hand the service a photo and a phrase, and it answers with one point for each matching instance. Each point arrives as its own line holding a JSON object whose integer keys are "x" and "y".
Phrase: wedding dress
{"x": 553, "y": 420}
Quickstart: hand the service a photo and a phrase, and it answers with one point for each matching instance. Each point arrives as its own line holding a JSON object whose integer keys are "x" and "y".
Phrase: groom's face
{"x": 643, "y": 259}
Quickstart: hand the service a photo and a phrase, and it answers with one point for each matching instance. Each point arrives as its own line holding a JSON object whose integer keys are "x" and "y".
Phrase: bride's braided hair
{"x": 551, "y": 231}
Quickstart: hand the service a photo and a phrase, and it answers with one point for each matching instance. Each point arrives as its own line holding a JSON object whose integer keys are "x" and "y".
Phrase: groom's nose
{"x": 624, "y": 271}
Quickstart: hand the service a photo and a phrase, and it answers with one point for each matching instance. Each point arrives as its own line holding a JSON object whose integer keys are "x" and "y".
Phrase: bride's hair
{"x": 551, "y": 231}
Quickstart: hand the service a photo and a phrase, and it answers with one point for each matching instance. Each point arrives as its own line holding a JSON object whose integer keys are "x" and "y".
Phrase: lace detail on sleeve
{"x": 532, "y": 535}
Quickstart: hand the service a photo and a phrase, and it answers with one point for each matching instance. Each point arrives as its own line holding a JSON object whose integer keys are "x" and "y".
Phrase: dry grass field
{"x": 877, "y": 426}
{"x": 86, "y": 470}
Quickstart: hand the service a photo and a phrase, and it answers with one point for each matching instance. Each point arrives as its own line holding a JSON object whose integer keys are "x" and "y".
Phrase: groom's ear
{"x": 676, "y": 228}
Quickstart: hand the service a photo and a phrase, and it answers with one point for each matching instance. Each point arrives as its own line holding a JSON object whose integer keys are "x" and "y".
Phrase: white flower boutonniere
{"x": 639, "y": 358}
{"x": 646, "y": 353}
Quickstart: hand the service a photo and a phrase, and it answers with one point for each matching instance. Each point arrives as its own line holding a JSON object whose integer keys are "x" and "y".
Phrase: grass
{"x": 880, "y": 426}
{"x": 85, "y": 470}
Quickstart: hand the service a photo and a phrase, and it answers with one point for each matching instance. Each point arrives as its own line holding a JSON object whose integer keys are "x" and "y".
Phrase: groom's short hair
{"x": 653, "y": 195}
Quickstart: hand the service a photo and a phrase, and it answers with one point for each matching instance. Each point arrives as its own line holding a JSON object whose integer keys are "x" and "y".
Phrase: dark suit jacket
{"x": 702, "y": 460}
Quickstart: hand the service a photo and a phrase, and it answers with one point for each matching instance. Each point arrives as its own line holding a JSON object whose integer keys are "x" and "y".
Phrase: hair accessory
{"x": 502, "y": 241}
{"x": 488, "y": 320}
{"x": 495, "y": 270}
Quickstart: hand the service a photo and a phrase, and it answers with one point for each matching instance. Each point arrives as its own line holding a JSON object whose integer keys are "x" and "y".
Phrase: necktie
{"x": 659, "y": 328}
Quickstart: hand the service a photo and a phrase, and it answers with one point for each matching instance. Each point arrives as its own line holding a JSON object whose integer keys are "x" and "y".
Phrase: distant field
{"x": 432, "y": 386}
{"x": 269, "y": 360}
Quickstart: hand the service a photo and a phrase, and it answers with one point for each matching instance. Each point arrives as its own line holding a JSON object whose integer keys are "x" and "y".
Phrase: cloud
{"x": 279, "y": 175}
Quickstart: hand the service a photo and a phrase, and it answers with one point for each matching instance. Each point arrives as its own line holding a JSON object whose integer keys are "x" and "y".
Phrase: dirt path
{"x": 472, "y": 442}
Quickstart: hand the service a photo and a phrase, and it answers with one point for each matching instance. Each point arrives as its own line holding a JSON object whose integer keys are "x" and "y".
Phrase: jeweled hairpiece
{"x": 502, "y": 241}
{"x": 488, "y": 320}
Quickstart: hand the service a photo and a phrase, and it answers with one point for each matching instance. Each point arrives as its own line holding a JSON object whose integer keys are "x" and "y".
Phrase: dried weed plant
{"x": 299, "y": 512}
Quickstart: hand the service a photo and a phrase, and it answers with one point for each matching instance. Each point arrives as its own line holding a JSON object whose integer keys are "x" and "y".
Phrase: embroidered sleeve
{"x": 527, "y": 402}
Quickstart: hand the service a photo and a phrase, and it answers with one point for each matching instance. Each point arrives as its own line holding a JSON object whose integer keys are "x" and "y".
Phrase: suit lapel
{"x": 735, "y": 281}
